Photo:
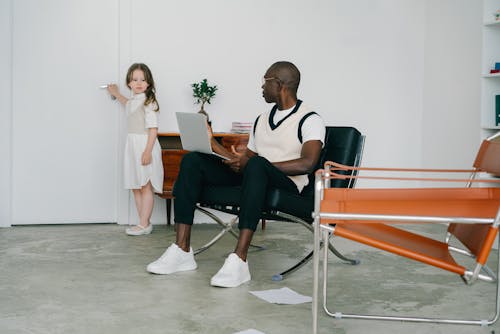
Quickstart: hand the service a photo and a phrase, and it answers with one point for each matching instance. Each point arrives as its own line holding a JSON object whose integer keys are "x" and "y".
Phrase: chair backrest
{"x": 344, "y": 145}
{"x": 479, "y": 238}
{"x": 488, "y": 157}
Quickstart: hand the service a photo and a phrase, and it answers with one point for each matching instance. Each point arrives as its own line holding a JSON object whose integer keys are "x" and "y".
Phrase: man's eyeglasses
{"x": 264, "y": 80}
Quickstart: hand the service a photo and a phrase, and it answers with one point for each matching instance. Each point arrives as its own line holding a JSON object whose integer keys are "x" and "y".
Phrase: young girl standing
{"x": 143, "y": 168}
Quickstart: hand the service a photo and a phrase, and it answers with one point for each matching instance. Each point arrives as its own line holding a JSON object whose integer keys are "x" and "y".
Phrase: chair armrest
{"x": 331, "y": 167}
{"x": 353, "y": 218}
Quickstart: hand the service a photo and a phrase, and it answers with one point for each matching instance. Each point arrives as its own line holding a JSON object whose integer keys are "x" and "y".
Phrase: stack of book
{"x": 496, "y": 70}
{"x": 241, "y": 127}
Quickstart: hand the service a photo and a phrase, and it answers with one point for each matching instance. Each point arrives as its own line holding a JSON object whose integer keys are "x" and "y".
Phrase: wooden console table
{"x": 172, "y": 153}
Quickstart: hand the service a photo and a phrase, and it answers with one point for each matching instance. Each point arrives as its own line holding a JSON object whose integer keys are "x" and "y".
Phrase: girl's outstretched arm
{"x": 114, "y": 91}
{"x": 146, "y": 155}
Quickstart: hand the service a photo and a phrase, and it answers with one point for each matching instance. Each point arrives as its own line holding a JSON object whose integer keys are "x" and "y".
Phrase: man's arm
{"x": 216, "y": 146}
{"x": 309, "y": 156}
{"x": 219, "y": 149}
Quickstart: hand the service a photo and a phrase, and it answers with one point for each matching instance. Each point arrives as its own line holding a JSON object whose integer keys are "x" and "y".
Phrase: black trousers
{"x": 198, "y": 170}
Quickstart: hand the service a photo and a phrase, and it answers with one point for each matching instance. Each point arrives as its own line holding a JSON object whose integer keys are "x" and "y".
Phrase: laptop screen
{"x": 194, "y": 133}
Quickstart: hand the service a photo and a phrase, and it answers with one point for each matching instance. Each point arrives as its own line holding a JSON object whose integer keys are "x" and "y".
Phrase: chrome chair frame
{"x": 471, "y": 276}
{"x": 323, "y": 233}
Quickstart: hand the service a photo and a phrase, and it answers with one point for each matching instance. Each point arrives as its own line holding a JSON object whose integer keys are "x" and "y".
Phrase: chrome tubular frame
{"x": 318, "y": 195}
{"x": 459, "y": 250}
{"x": 325, "y": 230}
{"x": 298, "y": 265}
{"x": 226, "y": 227}
{"x": 408, "y": 219}
{"x": 322, "y": 234}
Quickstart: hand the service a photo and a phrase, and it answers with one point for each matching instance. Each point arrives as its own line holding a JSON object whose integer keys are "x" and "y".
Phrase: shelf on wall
{"x": 491, "y": 75}
{"x": 490, "y": 82}
{"x": 492, "y": 24}
{"x": 489, "y": 127}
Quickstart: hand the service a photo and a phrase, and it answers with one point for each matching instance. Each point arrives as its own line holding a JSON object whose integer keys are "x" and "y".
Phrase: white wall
{"x": 451, "y": 113}
{"x": 64, "y": 129}
{"x": 5, "y": 112}
{"x": 397, "y": 70}
{"x": 361, "y": 61}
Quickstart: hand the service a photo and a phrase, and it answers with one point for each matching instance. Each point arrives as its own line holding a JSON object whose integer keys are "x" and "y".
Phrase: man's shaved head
{"x": 287, "y": 73}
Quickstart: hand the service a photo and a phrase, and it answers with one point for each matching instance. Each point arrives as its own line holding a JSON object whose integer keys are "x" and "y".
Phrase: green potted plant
{"x": 203, "y": 93}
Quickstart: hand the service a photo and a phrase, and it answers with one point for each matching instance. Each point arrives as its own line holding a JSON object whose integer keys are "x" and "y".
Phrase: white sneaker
{"x": 233, "y": 273}
{"x": 139, "y": 230}
{"x": 173, "y": 260}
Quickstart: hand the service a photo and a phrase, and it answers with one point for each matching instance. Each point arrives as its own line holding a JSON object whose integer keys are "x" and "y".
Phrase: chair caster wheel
{"x": 277, "y": 278}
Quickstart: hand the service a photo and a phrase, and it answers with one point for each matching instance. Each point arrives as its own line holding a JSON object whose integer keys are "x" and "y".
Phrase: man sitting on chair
{"x": 284, "y": 146}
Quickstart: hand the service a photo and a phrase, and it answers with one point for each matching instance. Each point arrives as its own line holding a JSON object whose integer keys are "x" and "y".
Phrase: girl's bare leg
{"x": 138, "y": 201}
{"x": 147, "y": 204}
{"x": 139, "y": 204}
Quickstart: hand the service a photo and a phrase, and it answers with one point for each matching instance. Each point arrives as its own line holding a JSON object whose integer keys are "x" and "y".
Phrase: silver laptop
{"x": 194, "y": 133}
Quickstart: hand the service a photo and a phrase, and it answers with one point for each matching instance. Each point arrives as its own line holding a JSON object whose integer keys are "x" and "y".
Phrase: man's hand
{"x": 238, "y": 162}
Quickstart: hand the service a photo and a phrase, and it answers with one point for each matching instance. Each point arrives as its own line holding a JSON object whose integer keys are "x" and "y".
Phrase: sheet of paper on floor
{"x": 282, "y": 296}
{"x": 250, "y": 331}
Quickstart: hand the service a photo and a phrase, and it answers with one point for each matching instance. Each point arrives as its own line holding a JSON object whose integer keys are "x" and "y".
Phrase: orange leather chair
{"x": 366, "y": 216}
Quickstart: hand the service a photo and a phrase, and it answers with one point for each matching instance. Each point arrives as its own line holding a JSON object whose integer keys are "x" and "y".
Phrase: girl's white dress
{"x": 140, "y": 118}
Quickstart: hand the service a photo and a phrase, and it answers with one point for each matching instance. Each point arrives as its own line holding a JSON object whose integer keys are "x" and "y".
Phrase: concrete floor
{"x": 92, "y": 279}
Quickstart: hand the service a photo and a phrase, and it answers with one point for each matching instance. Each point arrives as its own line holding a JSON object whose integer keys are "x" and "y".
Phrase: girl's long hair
{"x": 151, "y": 90}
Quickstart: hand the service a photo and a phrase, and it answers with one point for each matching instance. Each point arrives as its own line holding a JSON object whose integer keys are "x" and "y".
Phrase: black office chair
{"x": 342, "y": 144}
